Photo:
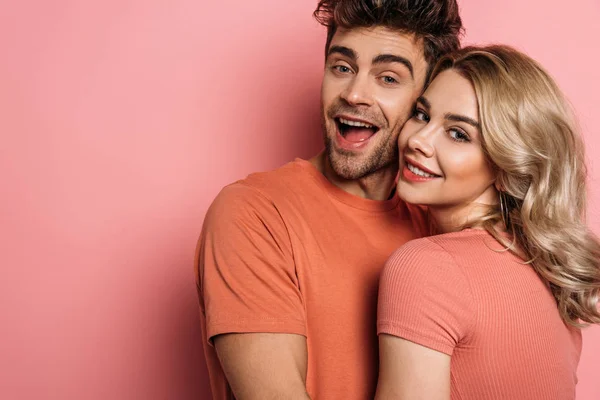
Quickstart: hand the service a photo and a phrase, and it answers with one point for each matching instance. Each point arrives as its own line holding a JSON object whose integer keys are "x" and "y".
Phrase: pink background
{"x": 120, "y": 122}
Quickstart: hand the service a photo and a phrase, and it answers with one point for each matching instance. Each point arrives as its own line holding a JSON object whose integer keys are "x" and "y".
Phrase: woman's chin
{"x": 411, "y": 195}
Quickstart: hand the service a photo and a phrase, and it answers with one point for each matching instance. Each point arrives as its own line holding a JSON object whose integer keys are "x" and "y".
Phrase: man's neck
{"x": 377, "y": 186}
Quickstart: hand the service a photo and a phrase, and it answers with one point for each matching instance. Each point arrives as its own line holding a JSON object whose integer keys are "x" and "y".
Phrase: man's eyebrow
{"x": 462, "y": 118}
{"x": 392, "y": 58}
{"x": 343, "y": 50}
{"x": 425, "y": 102}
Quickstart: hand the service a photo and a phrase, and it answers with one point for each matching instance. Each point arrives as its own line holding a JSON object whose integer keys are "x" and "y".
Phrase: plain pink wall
{"x": 120, "y": 122}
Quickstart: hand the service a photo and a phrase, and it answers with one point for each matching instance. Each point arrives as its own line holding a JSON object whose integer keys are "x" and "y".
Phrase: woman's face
{"x": 442, "y": 164}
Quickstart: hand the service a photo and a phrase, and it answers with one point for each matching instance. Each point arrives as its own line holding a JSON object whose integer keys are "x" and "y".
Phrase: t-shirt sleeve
{"x": 425, "y": 298}
{"x": 246, "y": 275}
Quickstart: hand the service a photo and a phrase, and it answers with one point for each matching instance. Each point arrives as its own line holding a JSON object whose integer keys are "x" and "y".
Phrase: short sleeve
{"x": 246, "y": 275}
{"x": 425, "y": 298}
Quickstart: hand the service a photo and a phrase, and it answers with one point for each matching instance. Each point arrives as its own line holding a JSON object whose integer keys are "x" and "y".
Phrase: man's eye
{"x": 341, "y": 68}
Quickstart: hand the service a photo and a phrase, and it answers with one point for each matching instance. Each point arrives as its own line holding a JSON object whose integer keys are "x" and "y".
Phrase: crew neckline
{"x": 473, "y": 231}
{"x": 345, "y": 197}
{"x": 464, "y": 231}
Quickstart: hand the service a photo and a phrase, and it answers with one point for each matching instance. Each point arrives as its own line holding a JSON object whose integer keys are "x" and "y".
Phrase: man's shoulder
{"x": 266, "y": 189}
{"x": 295, "y": 176}
{"x": 288, "y": 176}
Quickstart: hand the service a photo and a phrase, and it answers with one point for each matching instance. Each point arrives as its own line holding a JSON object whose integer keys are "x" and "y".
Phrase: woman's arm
{"x": 408, "y": 371}
{"x": 425, "y": 311}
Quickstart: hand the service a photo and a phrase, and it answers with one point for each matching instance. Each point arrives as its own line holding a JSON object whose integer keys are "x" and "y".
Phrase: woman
{"x": 491, "y": 307}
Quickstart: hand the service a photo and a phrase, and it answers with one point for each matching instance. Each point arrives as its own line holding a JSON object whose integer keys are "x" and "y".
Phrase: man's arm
{"x": 409, "y": 371}
{"x": 264, "y": 366}
{"x": 250, "y": 296}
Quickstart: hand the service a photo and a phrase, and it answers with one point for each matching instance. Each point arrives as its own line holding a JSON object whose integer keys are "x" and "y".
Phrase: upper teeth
{"x": 418, "y": 171}
{"x": 355, "y": 123}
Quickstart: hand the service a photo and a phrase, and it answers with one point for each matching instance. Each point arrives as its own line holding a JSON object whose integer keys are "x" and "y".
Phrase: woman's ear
{"x": 498, "y": 185}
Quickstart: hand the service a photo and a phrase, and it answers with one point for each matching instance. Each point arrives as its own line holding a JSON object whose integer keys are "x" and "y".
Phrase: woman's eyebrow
{"x": 425, "y": 102}
{"x": 449, "y": 116}
{"x": 462, "y": 118}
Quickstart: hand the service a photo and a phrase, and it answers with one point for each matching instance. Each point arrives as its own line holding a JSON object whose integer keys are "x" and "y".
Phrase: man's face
{"x": 372, "y": 78}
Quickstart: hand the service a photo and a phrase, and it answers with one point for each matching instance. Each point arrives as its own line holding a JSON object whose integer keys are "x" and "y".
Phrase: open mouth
{"x": 355, "y": 131}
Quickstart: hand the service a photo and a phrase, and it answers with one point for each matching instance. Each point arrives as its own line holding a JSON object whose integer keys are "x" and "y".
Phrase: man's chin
{"x": 357, "y": 163}
{"x": 349, "y": 166}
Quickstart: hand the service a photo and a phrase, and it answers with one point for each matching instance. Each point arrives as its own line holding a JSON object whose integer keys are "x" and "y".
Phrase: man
{"x": 289, "y": 260}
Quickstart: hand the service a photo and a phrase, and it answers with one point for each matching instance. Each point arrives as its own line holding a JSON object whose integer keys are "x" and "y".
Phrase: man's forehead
{"x": 372, "y": 44}
{"x": 379, "y": 40}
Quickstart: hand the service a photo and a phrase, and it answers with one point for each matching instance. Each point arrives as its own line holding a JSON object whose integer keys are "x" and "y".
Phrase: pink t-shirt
{"x": 457, "y": 294}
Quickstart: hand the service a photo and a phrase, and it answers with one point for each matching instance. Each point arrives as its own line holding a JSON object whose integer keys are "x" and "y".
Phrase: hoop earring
{"x": 504, "y": 210}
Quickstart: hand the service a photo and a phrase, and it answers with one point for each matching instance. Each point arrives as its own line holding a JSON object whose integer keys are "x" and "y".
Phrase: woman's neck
{"x": 455, "y": 218}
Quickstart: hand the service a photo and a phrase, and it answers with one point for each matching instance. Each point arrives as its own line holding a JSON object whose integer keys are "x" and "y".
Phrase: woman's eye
{"x": 459, "y": 135}
{"x": 420, "y": 115}
{"x": 389, "y": 80}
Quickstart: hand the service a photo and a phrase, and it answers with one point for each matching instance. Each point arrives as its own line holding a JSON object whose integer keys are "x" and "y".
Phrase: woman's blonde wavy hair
{"x": 529, "y": 134}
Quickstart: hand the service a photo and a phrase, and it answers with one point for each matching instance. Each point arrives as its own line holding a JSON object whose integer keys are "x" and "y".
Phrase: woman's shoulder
{"x": 423, "y": 246}
{"x": 420, "y": 254}
{"x": 469, "y": 239}
{"x": 444, "y": 243}
{"x": 424, "y": 275}
{"x": 440, "y": 252}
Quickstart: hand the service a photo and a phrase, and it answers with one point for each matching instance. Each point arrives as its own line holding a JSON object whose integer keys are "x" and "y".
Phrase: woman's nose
{"x": 421, "y": 141}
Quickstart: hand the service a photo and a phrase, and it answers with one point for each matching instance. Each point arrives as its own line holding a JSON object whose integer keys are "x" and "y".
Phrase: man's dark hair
{"x": 436, "y": 22}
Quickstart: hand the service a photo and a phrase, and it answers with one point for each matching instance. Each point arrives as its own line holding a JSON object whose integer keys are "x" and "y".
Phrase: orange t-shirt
{"x": 487, "y": 309}
{"x": 288, "y": 252}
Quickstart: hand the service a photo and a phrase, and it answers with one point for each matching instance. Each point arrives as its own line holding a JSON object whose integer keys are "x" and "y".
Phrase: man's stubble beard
{"x": 352, "y": 166}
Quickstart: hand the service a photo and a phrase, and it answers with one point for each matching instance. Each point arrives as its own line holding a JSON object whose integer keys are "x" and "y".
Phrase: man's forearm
{"x": 261, "y": 366}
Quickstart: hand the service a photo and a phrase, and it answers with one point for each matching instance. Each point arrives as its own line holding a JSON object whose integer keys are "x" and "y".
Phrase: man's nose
{"x": 359, "y": 91}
